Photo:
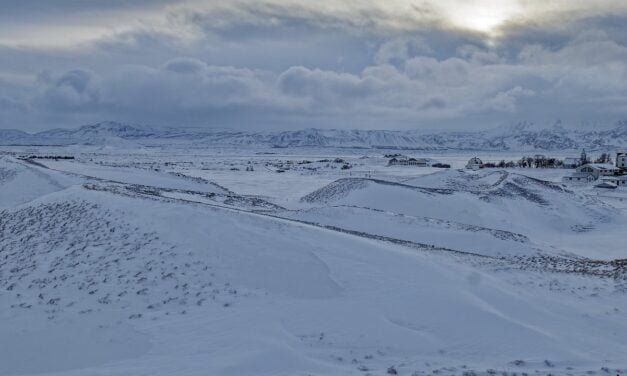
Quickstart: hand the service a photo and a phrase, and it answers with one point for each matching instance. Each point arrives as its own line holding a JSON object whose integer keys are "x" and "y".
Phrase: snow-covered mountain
{"x": 519, "y": 137}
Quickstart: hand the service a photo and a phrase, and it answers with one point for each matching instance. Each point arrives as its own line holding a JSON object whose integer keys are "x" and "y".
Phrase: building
{"x": 591, "y": 172}
{"x": 571, "y": 162}
{"x": 621, "y": 160}
{"x": 619, "y": 181}
{"x": 474, "y": 163}
{"x": 404, "y": 161}
{"x": 579, "y": 177}
{"x": 606, "y": 185}
{"x": 598, "y": 169}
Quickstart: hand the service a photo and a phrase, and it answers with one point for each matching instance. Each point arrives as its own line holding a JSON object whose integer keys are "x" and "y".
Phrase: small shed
{"x": 606, "y": 185}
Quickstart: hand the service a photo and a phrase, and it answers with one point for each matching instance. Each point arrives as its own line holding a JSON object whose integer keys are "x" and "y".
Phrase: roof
{"x": 475, "y": 160}
{"x": 605, "y": 184}
{"x": 578, "y": 175}
{"x": 615, "y": 178}
{"x": 601, "y": 166}
{"x": 403, "y": 158}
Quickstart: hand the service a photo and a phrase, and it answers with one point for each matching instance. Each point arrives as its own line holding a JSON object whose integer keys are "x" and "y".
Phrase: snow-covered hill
{"x": 115, "y": 269}
{"x": 490, "y": 213}
{"x": 519, "y": 137}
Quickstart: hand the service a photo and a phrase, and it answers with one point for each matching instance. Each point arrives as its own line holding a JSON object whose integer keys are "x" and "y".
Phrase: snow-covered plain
{"x": 264, "y": 262}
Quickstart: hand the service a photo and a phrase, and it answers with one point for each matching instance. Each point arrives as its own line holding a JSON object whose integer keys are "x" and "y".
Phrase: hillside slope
{"x": 114, "y": 280}
{"x": 459, "y": 209}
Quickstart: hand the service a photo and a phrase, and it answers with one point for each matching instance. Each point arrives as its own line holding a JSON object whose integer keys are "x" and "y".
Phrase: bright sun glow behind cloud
{"x": 80, "y": 27}
{"x": 480, "y": 15}
{"x": 344, "y": 63}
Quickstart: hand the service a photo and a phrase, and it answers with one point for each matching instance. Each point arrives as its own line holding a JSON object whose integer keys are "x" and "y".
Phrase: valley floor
{"x": 171, "y": 262}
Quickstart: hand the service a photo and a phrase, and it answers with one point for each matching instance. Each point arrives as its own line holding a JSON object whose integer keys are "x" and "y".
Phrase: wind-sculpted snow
{"x": 343, "y": 187}
{"x": 125, "y": 264}
{"x": 21, "y": 183}
{"x": 504, "y": 202}
{"x": 6, "y": 174}
{"x": 479, "y": 181}
{"x": 144, "y": 191}
{"x": 433, "y": 232}
{"x": 136, "y": 176}
{"x": 335, "y": 190}
{"x": 500, "y": 183}
{"x": 77, "y": 255}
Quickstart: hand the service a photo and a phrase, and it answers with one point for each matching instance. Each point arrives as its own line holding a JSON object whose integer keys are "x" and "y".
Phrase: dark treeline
{"x": 541, "y": 161}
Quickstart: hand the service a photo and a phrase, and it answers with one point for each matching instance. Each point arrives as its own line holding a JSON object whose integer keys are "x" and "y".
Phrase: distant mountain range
{"x": 520, "y": 137}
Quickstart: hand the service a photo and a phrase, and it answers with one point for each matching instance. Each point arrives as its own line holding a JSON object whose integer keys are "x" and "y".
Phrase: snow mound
{"x": 341, "y": 188}
{"x": 463, "y": 180}
{"x": 20, "y": 183}
{"x": 495, "y": 200}
{"x": 77, "y": 250}
{"x": 336, "y": 190}
{"x": 130, "y": 175}
{"x": 78, "y": 254}
{"x": 431, "y": 233}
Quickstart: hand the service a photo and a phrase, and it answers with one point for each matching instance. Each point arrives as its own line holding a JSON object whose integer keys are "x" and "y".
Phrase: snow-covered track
{"x": 615, "y": 269}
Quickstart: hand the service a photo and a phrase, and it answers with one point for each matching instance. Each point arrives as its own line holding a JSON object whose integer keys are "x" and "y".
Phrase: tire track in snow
{"x": 616, "y": 269}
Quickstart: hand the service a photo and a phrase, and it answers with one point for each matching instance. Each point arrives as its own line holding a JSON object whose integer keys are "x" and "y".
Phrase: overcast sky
{"x": 280, "y": 64}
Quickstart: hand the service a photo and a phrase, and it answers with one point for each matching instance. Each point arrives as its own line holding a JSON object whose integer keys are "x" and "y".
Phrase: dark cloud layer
{"x": 282, "y": 64}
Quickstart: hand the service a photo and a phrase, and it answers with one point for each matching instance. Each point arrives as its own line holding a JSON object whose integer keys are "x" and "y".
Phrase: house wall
{"x": 621, "y": 160}
{"x": 581, "y": 179}
{"x": 589, "y": 170}
{"x": 408, "y": 163}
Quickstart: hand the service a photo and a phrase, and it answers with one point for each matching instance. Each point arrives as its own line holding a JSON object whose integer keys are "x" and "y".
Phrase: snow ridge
{"x": 518, "y": 137}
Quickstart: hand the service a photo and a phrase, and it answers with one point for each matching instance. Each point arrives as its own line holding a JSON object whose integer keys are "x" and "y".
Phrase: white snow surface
{"x": 123, "y": 264}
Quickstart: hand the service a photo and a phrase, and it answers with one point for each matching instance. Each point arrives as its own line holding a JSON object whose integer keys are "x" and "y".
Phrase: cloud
{"x": 328, "y": 63}
{"x": 85, "y": 22}
{"x": 72, "y": 90}
{"x": 400, "y": 49}
{"x": 506, "y": 100}
{"x": 326, "y": 87}
{"x": 11, "y": 105}
{"x": 185, "y": 65}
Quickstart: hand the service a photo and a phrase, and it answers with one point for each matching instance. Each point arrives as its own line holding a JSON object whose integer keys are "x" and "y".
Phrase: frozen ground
{"x": 227, "y": 262}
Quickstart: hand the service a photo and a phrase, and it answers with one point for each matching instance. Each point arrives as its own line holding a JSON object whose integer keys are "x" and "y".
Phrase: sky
{"x": 291, "y": 64}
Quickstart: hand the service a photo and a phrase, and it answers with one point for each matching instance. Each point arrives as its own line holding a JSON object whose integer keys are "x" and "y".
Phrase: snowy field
{"x": 304, "y": 262}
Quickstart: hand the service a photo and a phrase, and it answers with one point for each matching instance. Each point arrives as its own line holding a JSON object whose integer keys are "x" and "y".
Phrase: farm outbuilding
{"x": 474, "y": 163}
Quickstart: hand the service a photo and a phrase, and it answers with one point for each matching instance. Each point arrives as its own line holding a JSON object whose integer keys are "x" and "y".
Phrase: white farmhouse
{"x": 591, "y": 172}
{"x": 474, "y": 163}
{"x": 579, "y": 177}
